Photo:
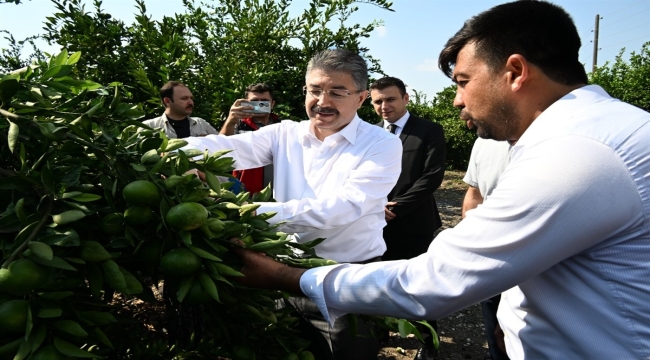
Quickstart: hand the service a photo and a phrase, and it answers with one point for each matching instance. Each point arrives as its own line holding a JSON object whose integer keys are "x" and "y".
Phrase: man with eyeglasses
{"x": 332, "y": 175}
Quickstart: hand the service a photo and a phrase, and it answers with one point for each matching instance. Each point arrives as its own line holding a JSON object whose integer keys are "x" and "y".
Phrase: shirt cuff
{"x": 275, "y": 207}
{"x": 312, "y": 284}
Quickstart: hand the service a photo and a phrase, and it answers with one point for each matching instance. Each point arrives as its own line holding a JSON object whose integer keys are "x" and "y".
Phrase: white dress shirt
{"x": 399, "y": 123}
{"x": 565, "y": 235}
{"x": 335, "y": 189}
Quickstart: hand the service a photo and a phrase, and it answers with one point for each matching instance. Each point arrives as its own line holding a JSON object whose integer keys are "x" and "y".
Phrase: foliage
{"x": 628, "y": 81}
{"x": 70, "y": 150}
{"x": 459, "y": 138}
{"x": 69, "y": 147}
{"x": 216, "y": 48}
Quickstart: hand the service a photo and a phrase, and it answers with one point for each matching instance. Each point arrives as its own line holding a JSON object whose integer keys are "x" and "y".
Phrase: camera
{"x": 259, "y": 107}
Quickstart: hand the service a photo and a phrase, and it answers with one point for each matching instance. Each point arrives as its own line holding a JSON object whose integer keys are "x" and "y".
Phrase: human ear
{"x": 362, "y": 97}
{"x": 517, "y": 71}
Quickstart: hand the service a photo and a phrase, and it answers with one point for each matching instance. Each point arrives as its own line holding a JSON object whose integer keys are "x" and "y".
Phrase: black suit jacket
{"x": 423, "y": 167}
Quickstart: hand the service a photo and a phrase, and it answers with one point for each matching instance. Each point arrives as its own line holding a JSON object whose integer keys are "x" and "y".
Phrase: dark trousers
{"x": 337, "y": 343}
{"x": 489, "y": 308}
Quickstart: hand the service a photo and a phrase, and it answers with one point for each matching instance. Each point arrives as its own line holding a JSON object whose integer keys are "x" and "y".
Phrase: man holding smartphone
{"x": 250, "y": 114}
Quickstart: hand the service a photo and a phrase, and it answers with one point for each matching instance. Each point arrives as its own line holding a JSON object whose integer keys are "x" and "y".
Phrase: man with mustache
{"x": 565, "y": 235}
{"x": 332, "y": 175}
{"x": 176, "y": 121}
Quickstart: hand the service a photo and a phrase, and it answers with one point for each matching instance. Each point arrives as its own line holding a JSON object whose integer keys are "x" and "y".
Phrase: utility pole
{"x": 593, "y": 68}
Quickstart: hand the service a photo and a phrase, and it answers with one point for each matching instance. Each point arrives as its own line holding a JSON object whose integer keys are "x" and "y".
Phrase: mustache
{"x": 465, "y": 116}
{"x": 324, "y": 110}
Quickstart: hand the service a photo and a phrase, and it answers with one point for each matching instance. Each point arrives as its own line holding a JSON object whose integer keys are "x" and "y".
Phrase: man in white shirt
{"x": 332, "y": 175}
{"x": 565, "y": 236}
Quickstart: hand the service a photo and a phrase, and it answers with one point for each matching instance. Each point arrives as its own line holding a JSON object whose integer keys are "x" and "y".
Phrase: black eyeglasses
{"x": 334, "y": 94}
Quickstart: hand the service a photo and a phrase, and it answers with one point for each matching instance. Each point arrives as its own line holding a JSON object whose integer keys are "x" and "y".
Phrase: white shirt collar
{"x": 349, "y": 132}
{"x": 400, "y": 123}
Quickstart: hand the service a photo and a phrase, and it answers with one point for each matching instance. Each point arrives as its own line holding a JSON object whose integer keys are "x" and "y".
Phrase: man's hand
{"x": 388, "y": 214}
{"x": 262, "y": 272}
{"x": 236, "y": 113}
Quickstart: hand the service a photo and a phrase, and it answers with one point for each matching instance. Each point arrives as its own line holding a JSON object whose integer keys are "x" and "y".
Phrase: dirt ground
{"x": 461, "y": 334}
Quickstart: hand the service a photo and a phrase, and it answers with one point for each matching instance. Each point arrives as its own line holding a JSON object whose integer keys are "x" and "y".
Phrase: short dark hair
{"x": 389, "y": 81}
{"x": 341, "y": 60}
{"x": 167, "y": 90}
{"x": 258, "y": 88}
{"x": 541, "y": 32}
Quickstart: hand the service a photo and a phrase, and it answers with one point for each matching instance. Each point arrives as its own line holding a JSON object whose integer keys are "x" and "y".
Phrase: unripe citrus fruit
{"x": 180, "y": 262}
{"x": 13, "y": 316}
{"x": 137, "y": 215}
{"x": 306, "y": 355}
{"x": 112, "y": 223}
{"x": 141, "y": 193}
{"x": 23, "y": 276}
{"x": 49, "y": 352}
{"x": 186, "y": 216}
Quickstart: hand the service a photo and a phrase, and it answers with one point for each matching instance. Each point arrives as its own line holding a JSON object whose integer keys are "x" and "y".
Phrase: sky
{"x": 411, "y": 37}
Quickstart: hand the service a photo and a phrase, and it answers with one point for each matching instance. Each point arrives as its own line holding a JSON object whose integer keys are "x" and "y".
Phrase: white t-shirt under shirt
{"x": 486, "y": 163}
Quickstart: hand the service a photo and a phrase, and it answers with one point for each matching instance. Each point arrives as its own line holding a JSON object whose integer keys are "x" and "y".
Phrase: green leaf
{"x": 404, "y": 327}
{"x": 138, "y": 167}
{"x": 98, "y": 317}
{"x": 69, "y": 349}
{"x": 8, "y": 88}
{"x": 184, "y": 288}
{"x": 41, "y": 250}
{"x": 74, "y": 58}
{"x": 38, "y": 336}
{"x": 202, "y": 253}
{"x": 12, "y": 137}
{"x": 23, "y": 351}
{"x": 86, "y": 197}
{"x": 51, "y": 72}
{"x": 49, "y": 312}
{"x": 209, "y": 285}
{"x": 113, "y": 276}
{"x": 48, "y": 179}
{"x": 65, "y": 238}
{"x": 70, "y": 327}
{"x": 71, "y": 177}
{"x": 62, "y": 58}
{"x": 173, "y": 144}
{"x": 56, "y": 262}
{"x": 11, "y": 347}
{"x": 68, "y": 217}
{"x": 133, "y": 285}
{"x": 213, "y": 182}
{"x": 99, "y": 334}
{"x": 25, "y": 232}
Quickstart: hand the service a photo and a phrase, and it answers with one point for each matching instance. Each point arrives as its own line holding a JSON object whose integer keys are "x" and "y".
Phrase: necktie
{"x": 392, "y": 128}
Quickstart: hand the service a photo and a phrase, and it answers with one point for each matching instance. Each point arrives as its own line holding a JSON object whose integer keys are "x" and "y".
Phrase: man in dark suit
{"x": 411, "y": 213}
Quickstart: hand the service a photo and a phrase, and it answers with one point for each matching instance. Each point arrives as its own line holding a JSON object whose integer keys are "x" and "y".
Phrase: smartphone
{"x": 259, "y": 107}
